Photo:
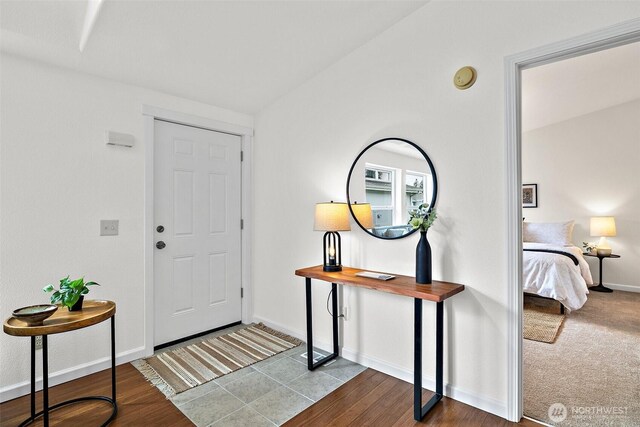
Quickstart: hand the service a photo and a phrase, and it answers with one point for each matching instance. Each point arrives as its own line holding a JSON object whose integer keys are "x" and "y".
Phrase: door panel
{"x": 197, "y": 188}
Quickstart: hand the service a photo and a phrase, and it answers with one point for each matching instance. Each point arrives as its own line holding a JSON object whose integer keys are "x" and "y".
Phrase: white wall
{"x": 400, "y": 84}
{"x": 588, "y": 166}
{"x": 58, "y": 180}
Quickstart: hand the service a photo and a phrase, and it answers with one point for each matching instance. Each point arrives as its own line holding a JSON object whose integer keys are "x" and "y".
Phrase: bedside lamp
{"x": 603, "y": 227}
{"x": 362, "y": 213}
{"x": 332, "y": 217}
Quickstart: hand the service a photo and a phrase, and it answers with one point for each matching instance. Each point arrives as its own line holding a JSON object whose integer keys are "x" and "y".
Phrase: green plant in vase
{"x": 422, "y": 219}
{"x": 70, "y": 293}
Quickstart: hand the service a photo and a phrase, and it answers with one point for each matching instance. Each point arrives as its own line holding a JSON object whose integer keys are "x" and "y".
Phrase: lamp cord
{"x": 329, "y": 310}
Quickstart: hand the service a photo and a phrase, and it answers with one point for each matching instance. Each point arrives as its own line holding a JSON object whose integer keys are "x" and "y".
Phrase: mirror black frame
{"x": 433, "y": 174}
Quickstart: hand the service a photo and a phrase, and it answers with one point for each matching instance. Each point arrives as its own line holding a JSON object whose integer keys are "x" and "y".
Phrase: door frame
{"x": 616, "y": 35}
{"x": 150, "y": 114}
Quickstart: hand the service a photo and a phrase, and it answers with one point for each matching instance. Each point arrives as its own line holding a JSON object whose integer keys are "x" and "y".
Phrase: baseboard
{"x": 626, "y": 288}
{"x": 486, "y": 404}
{"x": 23, "y": 388}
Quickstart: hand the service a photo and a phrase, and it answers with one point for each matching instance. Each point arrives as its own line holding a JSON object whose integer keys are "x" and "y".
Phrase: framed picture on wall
{"x": 529, "y": 195}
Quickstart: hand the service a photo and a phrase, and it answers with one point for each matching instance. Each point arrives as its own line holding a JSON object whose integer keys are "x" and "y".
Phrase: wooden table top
{"x": 400, "y": 285}
{"x": 63, "y": 320}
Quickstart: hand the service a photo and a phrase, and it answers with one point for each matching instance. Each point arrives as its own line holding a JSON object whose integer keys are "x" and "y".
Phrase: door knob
{"x": 160, "y": 229}
{"x": 160, "y": 245}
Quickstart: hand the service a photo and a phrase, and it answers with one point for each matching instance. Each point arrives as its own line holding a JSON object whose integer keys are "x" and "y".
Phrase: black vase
{"x": 423, "y": 260}
{"x": 78, "y": 305}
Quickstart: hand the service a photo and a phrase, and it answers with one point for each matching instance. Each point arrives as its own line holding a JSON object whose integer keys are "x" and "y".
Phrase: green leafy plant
{"x": 422, "y": 218}
{"x": 70, "y": 291}
{"x": 589, "y": 246}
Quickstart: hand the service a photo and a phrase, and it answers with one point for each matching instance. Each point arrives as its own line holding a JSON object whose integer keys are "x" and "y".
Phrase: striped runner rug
{"x": 183, "y": 368}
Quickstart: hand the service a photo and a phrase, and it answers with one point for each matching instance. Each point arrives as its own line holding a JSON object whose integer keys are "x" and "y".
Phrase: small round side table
{"x": 600, "y": 287}
{"x": 92, "y": 313}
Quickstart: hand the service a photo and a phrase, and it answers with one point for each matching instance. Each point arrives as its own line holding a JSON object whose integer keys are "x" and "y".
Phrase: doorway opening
{"x": 515, "y": 66}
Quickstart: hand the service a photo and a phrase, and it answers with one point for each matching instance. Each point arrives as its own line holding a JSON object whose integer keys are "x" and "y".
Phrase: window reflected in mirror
{"x": 394, "y": 176}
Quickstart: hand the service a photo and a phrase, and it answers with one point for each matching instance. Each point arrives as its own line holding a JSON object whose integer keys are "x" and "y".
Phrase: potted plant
{"x": 421, "y": 219}
{"x": 71, "y": 293}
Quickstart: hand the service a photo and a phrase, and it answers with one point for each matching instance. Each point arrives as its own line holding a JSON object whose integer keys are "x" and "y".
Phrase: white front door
{"x": 197, "y": 189}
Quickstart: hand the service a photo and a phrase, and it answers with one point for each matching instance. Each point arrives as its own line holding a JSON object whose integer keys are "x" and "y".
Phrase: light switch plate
{"x": 109, "y": 227}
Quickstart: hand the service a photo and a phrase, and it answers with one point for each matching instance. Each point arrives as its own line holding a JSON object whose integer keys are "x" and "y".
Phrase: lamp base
{"x": 332, "y": 268}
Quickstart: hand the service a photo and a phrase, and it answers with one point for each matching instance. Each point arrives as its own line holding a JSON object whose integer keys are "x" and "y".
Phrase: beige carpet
{"x": 593, "y": 368}
{"x": 542, "y": 321}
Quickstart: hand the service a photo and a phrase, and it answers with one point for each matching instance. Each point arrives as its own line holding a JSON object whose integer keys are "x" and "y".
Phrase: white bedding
{"x": 556, "y": 276}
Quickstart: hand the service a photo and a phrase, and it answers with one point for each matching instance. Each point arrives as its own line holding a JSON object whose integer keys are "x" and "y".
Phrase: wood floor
{"x": 372, "y": 398}
{"x": 376, "y": 399}
{"x": 139, "y": 403}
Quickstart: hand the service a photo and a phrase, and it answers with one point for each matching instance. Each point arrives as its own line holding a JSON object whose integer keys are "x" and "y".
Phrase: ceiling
{"x": 574, "y": 87}
{"x": 241, "y": 55}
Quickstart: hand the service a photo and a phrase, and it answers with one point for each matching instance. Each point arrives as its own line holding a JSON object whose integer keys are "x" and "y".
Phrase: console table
{"x": 92, "y": 313}
{"x": 400, "y": 285}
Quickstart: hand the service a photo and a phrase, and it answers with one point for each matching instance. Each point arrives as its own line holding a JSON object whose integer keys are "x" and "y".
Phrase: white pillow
{"x": 553, "y": 233}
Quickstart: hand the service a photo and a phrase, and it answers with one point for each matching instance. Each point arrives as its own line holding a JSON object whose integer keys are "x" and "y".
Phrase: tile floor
{"x": 267, "y": 393}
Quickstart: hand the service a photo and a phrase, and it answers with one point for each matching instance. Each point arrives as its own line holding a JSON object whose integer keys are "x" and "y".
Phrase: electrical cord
{"x": 328, "y": 310}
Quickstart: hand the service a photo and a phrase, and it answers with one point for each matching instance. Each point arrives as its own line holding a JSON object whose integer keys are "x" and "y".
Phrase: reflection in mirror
{"x": 363, "y": 214}
{"x": 392, "y": 176}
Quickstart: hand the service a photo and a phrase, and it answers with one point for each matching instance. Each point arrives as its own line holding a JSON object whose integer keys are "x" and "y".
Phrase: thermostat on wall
{"x": 117, "y": 138}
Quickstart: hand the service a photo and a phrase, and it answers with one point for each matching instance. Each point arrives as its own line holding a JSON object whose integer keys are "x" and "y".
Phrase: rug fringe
{"x": 278, "y": 334}
{"x": 156, "y": 379}
{"x": 152, "y": 376}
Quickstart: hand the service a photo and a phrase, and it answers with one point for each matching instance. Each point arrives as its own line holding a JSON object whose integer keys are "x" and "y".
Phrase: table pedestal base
{"x": 600, "y": 288}
{"x": 114, "y": 412}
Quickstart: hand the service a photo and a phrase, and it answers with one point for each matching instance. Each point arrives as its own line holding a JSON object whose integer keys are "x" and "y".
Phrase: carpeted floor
{"x": 593, "y": 368}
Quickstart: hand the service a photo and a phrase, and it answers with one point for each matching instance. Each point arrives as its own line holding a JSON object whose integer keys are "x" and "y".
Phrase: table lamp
{"x": 603, "y": 227}
{"x": 332, "y": 217}
{"x": 362, "y": 213}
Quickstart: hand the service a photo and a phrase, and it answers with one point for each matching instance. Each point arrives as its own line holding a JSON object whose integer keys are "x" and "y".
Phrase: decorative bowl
{"x": 34, "y": 315}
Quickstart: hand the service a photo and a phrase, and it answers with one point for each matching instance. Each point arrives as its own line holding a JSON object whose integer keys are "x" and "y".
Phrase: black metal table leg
{"x": 334, "y": 304}
{"x": 33, "y": 377}
{"x": 420, "y": 411}
{"x": 45, "y": 382}
{"x": 113, "y": 361}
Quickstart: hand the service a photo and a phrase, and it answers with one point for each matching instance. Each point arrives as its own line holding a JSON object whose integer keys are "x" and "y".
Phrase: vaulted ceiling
{"x": 574, "y": 87}
{"x": 241, "y": 55}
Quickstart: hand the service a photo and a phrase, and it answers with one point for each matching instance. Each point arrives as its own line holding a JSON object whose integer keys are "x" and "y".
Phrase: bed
{"x": 552, "y": 267}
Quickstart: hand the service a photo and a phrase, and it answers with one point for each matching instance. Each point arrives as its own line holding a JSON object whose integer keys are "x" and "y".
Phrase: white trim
{"x": 196, "y": 121}
{"x": 492, "y": 406}
{"x": 23, "y": 388}
{"x": 149, "y": 138}
{"x": 151, "y": 113}
{"x": 247, "y": 232}
{"x": 613, "y": 36}
{"x": 626, "y": 288}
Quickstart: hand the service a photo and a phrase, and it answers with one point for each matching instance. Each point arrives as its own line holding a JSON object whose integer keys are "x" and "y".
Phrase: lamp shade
{"x": 603, "y": 226}
{"x": 362, "y": 213}
{"x": 332, "y": 216}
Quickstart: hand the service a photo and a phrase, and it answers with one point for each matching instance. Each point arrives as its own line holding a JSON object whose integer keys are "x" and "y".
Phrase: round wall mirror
{"x": 389, "y": 178}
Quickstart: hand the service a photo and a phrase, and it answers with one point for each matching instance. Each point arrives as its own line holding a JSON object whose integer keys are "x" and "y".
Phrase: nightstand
{"x": 601, "y": 287}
